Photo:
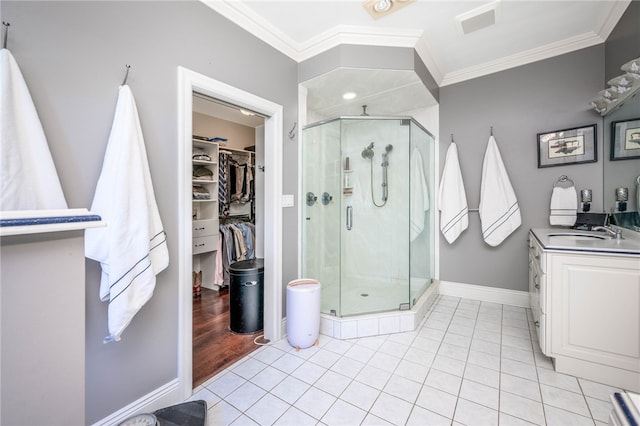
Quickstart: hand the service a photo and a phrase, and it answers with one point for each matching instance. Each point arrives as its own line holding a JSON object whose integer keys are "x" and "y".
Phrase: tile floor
{"x": 468, "y": 363}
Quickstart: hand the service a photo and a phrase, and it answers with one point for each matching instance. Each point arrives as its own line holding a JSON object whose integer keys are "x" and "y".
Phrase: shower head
{"x": 388, "y": 148}
{"x": 367, "y": 153}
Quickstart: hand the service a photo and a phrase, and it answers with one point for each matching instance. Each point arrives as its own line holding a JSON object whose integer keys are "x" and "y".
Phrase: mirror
{"x": 621, "y": 132}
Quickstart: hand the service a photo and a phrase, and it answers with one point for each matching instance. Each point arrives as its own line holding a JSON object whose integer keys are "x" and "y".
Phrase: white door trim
{"x": 188, "y": 82}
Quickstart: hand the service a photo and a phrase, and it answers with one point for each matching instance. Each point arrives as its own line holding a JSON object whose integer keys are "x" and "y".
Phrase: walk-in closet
{"x": 227, "y": 184}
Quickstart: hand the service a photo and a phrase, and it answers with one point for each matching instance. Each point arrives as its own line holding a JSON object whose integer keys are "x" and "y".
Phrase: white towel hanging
{"x": 452, "y": 199}
{"x": 499, "y": 210}
{"x": 28, "y": 176}
{"x": 132, "y": 248}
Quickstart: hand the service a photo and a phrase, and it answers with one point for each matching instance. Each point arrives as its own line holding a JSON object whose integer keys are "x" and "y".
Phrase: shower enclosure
{"x": 367, "y": 212}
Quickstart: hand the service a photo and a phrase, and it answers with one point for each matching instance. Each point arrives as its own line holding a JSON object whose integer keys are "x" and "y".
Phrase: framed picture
{"x": 567, "y": 146}
{"x": 625, "y": 139}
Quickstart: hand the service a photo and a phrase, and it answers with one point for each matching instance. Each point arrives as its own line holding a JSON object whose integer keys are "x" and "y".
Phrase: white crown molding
{"x": 533, "y": 55}
{"x": 362, "y": 36}
{"x": 611, "y": 17}
{"x": 255, "y": 24}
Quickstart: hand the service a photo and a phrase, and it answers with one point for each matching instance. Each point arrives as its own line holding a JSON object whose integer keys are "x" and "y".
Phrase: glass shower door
{"x": 322, "y": 211}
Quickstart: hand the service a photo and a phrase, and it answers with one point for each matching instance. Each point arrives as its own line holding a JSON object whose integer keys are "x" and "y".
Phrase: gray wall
{"x": 519, "y": 103}
{"x": 73, "y": 57}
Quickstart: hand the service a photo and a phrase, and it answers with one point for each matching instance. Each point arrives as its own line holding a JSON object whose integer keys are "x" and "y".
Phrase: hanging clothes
{"x": 237, "y": 241}
{"x": 224, "y": 199}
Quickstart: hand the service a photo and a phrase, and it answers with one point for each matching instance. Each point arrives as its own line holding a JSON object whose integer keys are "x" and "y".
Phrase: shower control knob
{"x": 326, "y": 198}
{"x": 311, "y": 199}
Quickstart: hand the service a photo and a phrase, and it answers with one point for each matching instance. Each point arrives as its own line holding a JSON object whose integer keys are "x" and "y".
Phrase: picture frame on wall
{"x": 625, "y": 139}
{"x": 564, "y": 147}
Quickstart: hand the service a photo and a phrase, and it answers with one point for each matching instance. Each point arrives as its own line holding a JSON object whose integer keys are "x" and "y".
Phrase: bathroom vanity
{"x": 584, "y": 290}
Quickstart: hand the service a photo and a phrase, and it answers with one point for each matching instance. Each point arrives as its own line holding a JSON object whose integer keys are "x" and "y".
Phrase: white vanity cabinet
{"x": 587, "y": 307}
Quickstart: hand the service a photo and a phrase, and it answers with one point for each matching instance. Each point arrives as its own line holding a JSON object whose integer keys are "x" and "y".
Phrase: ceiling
{"x": 524, "y": 32}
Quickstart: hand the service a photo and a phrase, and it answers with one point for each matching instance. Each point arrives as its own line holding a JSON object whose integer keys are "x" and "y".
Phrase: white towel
{"x": 452, "y": 199}
{"x": 563, "y": 206}
{"x": 28, "y": 177}
{"x": 419, "y": 195}
{"x": 499, "y": 211}
{"x": 132, "y": 249}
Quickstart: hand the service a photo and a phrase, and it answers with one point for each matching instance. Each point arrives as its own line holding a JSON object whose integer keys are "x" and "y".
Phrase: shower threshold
{"x": 376, "y": 324}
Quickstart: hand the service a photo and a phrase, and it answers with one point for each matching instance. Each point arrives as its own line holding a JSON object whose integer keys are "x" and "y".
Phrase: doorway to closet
{"x": 271, "y": 236}
{"x": 228, "y": 158}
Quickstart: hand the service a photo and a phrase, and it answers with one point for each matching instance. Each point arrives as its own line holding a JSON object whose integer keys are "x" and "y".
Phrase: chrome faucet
{"x": 613, "y": 233}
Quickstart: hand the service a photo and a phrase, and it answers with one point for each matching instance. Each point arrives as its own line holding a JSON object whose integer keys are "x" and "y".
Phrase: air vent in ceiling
{"x": 478, "y": 18}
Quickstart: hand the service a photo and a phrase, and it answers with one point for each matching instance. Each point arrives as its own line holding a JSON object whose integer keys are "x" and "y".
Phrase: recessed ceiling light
{"x": 349, "y": 95}
{"x": 379, "y": 8}
{"x": 382, "y": 6}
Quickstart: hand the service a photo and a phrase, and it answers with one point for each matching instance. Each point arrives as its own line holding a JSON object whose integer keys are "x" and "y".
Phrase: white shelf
{"x": 204, "y": 181}
{"x": 204, "y": 163}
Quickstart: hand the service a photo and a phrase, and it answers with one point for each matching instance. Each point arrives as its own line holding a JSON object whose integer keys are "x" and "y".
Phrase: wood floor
{"x": 214, "y": 346}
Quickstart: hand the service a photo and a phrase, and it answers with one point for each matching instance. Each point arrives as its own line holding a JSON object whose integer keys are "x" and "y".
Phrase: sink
{"x": 575, "y": 236}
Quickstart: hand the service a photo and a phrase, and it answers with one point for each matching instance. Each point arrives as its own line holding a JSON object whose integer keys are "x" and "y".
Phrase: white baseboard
{"x": 164, "y": 396}
{"x": 485, "y": 294}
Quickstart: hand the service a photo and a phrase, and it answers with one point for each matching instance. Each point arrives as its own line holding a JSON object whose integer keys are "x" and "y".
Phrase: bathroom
{"x": 75, "y": 94}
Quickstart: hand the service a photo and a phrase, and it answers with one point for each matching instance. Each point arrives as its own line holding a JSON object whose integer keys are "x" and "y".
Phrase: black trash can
{"x": 246, "y": 296}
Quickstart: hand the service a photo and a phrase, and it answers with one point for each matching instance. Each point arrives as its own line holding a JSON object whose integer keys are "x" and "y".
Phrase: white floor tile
{"x": 267, "y": 410}
{"x": 469, "y": 413}
{"x": 520, "y": 369}
{"x": 226, "y": 384}
{"x": 521, "y": 387}
{"x": 290, "y": 389}
{"x": 447, "y": 382}
{"x": 522, "y": 408}
{"x": 244, "y": 421}
{"x": 448, "y": 365}
{"x": 557, "y": 417}
{"x": 403, "y": 388}
{"x": 268, "y": 378}
{"x": 360, "y": 395}
{"x": 599, "y": 409}
{"x": 597, "y": 390}
{"x": 309, "y": 372}
{"x": 373, "y": 377}
{"x": 347, "y": 367}
{"x": 563, "y": 399}
{"x": 295, "y": 417}
{"x": 371, "y": 420}
{"x": 222, "y": 414}
{"x": 480, "y": 394}
{"x": 412, "y": 371}
{"x": 384, "y": 362}
{"x": 483, "y": 375}
{"x": 315, "y": 402}
{"x": 421, "y": 417}
{"x": 245, "y": 396}
{"x": 391, "y": 409}
{"x": 468, "y": 363}
{"x": 437, "y": 401}
{"x": 287, "y": 363}
{"x": 343, "y": 414}
{"x": 332, "y": 383}
{"x": 325, "y": 358}
{"x": 558, "y": 380}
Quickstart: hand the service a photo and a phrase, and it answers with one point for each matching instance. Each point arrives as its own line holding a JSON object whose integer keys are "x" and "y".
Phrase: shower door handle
{"x": 349, "y": 218}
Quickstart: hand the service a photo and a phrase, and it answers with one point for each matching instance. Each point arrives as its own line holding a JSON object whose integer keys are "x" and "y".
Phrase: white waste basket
{"x": 303, "y": 312}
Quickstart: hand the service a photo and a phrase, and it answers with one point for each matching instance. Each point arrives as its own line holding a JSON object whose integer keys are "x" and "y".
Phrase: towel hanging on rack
{"x": 452, "y": 199}
{"x": 564, "y": 203}
{"x": 499, "y": 210}
{"x": 132, "y": 249}
{"x": 28, "y": 176}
